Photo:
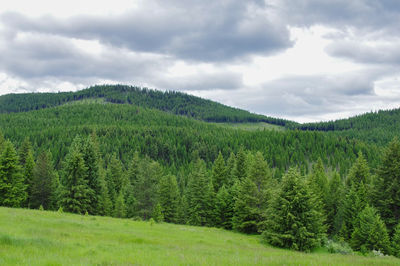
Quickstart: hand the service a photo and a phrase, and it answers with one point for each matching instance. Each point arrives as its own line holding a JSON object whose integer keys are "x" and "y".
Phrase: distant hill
{"x": 375, "y": 127}
{"x": 170, "y": 101}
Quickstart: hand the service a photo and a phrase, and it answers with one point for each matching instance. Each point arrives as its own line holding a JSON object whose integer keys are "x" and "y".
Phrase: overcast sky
{"x": 305, "y": 60}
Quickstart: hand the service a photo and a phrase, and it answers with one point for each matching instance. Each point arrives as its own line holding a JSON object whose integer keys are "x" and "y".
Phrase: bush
{"x": 338, "y": 247}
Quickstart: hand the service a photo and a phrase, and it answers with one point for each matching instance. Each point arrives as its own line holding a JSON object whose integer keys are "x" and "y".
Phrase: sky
{"x": 304, "y": 60}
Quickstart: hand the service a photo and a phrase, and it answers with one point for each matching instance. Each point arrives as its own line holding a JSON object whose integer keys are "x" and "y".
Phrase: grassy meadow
{"x": 33, "y": 237}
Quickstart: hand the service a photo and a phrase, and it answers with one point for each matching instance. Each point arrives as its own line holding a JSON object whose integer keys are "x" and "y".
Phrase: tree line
{"x": 239, "y": 192}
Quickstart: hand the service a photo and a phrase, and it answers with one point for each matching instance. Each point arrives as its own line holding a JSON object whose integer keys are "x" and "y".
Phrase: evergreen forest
{"x": 130, "y": 152}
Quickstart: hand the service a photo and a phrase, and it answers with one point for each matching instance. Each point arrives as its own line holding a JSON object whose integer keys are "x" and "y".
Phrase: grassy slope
{"x": 29, "y": 237}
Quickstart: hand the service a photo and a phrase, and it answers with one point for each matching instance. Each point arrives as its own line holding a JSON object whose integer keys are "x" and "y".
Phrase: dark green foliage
{"x": 157, "y": 214}
{"x": 12, "y": 187}
{"x": 294, "y": 220}
{"x": 116, "y": 179}
{"x": 104, "y": 202}
{"x": 335, "y": 196}
{"x": 396, "y": 241}
{"x": 91, "y": 156}
{"x": 169, "y": 198}
{"x": 240, "y": 171}
{"x": 224, "y": 207}
{"x": 120, "y": 207}
{"x": 219, "y": 173}
{"x": 145, "y": 188}
{"x": 75, "y": 190}
{"x": 370, "y": 232}
{"x": 200, "y": 196}
{"x": 44, "y": 183}
{"x": 174, "y": 102}
{"x": 387, "y": 191}
{"x": 246, "y": 215}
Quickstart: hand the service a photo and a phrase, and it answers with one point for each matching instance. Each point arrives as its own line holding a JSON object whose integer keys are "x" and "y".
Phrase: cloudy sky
{"x": 306, "y": 60}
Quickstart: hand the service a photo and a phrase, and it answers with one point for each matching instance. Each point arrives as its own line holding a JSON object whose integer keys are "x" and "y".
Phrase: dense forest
{"x": 299, "y": 188}
{"x": 170, "y": 101}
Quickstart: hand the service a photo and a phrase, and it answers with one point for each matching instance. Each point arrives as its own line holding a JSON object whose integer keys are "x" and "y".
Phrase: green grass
{"x": 251, "y": 126}
{"x": 29, "y": 237}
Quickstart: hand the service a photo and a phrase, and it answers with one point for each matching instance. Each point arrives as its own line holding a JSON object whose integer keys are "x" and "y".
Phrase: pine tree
{"x": 224, "y": 208}
{"x": 169, "y": 198}
{"x": 120, "y": 207}
{"x": 240, "y": 171}
{"x": 370, "y": 232}
{"x": 199, "y": 196}
{"x": 386, "y": 198}
{"x": 104, "y": 202}
{"x": 91, "y": 156}
{"x": 44, "y": 183}
{"x": 246, "y": 213}
{"x": 294, "y": 220}
{"x": 75, "y": 190}
{"x": 219, "y": 176}
{"x": 335, "y": 195}
{"x": 157, "y": 214}
{"x": 145, "y": 188}
{"x": 396, "y": 241}
{"x": 12, "y": 188}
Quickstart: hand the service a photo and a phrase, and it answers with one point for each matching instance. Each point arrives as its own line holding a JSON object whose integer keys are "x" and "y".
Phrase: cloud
{"x": 368, "y": 53}
{"x": 209, "y": 31}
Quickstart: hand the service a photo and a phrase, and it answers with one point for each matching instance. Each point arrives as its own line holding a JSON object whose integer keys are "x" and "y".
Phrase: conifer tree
{"x": 145, "y": 188}
{"x": 224, "y": 207}
{"x": 75, "y": 190}
{"x": 294, "y": 220}
{"x": 370, "y": 232}
{"x": 12, "y": 188}
{"x": 183, "y": 210}
{"x": 115, "y": 178}
{"x": 246, "y": 213}
{"x": 91, "y": 156}
{"x": 157, "y": 214}
{"x": 387, "y": 199}
{"x": 219, "y": 175}
{"x": 199, "y": 196}
{"x": 240, "y": 171}
{"x": 120, "y": 207}
{"x": 27, "y": 163}
{"x": 169, "y": 198}
{"x": 396, "y": 241}
{"x": 104, "y": 202}
{"x": 230, "y": 170}
{"x": 318, "y": 182}
{"x": 335, "y": 195}
{"x": 44, "y": 183}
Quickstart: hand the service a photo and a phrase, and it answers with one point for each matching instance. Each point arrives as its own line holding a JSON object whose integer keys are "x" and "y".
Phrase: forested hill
{"x": 373, "y": 127}
{"x": 170, "y": 101}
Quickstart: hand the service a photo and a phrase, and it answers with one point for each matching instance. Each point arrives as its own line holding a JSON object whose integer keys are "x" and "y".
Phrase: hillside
{"x": 173, "y": 140}
{"x": 170, "y": 101}
{"x": 29, "y": 237}
{"x": 375, "y": 127}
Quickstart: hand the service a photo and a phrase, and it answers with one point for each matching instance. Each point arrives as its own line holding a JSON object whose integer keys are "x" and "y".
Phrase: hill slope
{"x": 374, "y": 127}
{"x": 173, "y": 140}
{"x": 170, "y": 101}
{"x": 29, "y": 237}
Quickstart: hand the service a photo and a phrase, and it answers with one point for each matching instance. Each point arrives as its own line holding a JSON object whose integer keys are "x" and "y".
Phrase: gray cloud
{"x": 210, "y": 31}
{"x": 358, "y": 51}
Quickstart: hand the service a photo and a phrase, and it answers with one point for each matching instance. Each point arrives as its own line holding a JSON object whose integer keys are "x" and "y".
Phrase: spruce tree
{"x": 240, "y": 171}
{"x": 318, "y": 182}
{"x": 370, "y": 232}
{"x": 396, "y": 241}
{"x": 120, "y": 207}
{"x": 12, "y": 187}
{"x": 169, "y": 198}
{"x": 246, "y": 213}
{"x": 44, "y": 183}
{"x": 386, "y": 196}
{"x": 224, "y": 207}
{"x": 230, "y": 170}
{"x": 75, "y": 190}
{"x": 219, "y": 175}
{"x": 199, "y": 196}
{"x": 28, "y": 173}
{"x": 335, "y": 196}
{"x": 104, "y": 202}
{"x": 91, "y": 156}
{"x": 294, "y": 219}
{"x": 116, "y": 179}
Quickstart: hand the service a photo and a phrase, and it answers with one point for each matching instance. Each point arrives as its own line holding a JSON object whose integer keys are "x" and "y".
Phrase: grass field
{"x": 29, "y": 237}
